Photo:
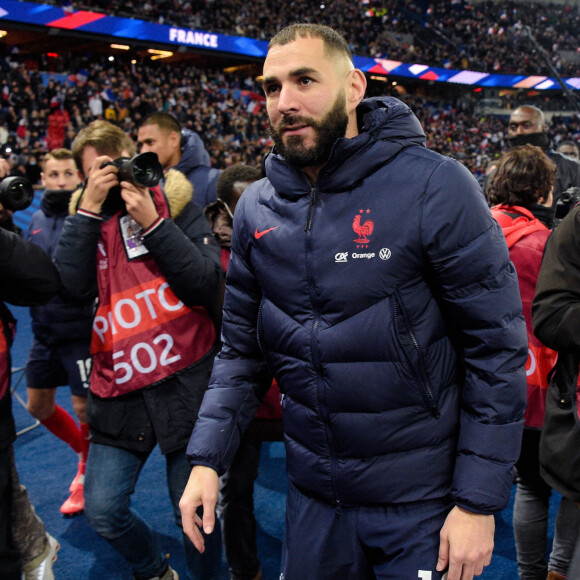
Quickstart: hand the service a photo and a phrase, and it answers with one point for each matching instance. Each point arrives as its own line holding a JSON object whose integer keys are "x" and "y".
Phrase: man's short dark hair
{"x": 334, "y": 42}
{"x": 58, "y": 155}
{"x": 229, "y": 176}
{"x": 165, "y": 121}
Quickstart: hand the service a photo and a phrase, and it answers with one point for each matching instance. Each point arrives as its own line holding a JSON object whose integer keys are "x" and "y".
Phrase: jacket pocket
{"x": 411, "y": 349}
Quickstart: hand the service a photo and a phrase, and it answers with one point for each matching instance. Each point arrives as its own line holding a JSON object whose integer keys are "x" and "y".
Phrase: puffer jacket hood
{"x": 193, "y": 152}
{"x": 386, "y": 126}
{"x": 195, "y": 164}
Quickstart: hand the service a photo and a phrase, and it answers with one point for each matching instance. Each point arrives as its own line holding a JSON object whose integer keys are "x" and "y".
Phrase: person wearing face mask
{"x": 60, "y": 351}
{"x": 527, "y": 124}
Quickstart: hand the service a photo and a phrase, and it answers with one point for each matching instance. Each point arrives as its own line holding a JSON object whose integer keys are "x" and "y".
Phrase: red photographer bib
{"x": 142, "y": 333}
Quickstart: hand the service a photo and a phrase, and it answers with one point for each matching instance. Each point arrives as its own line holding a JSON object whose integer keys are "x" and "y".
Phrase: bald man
{"x": 527, "y": 124}
{"x": 367, "y": 275}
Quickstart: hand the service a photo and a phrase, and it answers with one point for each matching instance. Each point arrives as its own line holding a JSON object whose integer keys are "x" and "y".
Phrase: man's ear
{"x": 357, "y": 85}
{"x": 175, "y": 139}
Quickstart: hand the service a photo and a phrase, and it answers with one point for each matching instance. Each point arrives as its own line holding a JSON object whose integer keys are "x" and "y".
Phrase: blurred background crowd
{"x": 46, "y": 99}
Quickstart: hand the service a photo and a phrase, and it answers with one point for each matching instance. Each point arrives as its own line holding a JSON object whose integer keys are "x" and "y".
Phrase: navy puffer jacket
{"x": 61, "y": 320}
{"x": 383, "y": 301}
{"x": 195, "y": 165}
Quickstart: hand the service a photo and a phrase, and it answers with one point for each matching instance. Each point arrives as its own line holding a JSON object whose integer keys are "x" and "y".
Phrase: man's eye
{"x": 271, "y": 89}
{"x": 305, "y": 80}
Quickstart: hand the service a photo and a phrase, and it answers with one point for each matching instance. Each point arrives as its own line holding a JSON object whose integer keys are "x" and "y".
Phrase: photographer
{"x": 27, "y": 278}
{"x": 148, "y": 256}
{"x": 556, "y": 318}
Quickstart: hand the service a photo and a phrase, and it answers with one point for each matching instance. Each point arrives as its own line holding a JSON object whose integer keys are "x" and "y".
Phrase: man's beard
{"x": 327, "y": 131}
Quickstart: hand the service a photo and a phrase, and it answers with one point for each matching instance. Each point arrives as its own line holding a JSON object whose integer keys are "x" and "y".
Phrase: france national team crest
{"x": 363, "y": 228}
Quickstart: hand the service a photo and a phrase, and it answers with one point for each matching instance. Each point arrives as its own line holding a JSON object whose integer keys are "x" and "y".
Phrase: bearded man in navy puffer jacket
{"x": 368, "y": 276}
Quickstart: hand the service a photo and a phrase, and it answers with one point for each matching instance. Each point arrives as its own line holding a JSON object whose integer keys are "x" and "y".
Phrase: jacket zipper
{"x": 313, "y": 335}
{"x": 422, "y": 375}
{"x": 310, "y": 214}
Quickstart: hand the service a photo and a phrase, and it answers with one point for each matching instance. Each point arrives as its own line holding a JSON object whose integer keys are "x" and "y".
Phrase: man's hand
{"x": 139, "y": 204}
{"x": 201, "y": 490}
{"x": 466, "y": 544}
{"x": 100, "y": 180}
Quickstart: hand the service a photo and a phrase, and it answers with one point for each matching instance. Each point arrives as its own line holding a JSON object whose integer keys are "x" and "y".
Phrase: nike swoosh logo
{"x": 258, "y": 234}
{"x": 34, "y": 232}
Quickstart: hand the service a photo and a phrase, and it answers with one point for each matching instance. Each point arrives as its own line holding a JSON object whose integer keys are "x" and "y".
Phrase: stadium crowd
{"x": 463, "y": 34}
{"x": 42, "y": 112}
{"x": 226, "y": 110}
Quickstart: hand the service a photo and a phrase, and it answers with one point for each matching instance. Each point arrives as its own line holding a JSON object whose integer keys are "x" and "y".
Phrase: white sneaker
{"x": 41, "y": 567}
{"x": 170, "y": 574}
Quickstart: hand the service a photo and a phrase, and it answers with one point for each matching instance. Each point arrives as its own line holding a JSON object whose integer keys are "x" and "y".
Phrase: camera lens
{"x": 16, "y": 193}
{"x": 147, "y": 170}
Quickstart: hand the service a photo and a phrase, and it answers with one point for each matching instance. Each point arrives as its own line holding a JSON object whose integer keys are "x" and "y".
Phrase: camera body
{"x": 16, "y": 193}
{"x": 565, "y": 203}
{"x": 143, "y": 170}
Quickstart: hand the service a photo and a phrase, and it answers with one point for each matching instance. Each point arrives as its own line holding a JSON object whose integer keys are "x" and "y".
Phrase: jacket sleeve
{"x": 556, "y": 305}
{"x": 27, "y": 274}
{"x": 188, "y": 257}
{"x": 240, "y": 376}
{"x": 75, "y": 257}
{"x": 477, "y": 288}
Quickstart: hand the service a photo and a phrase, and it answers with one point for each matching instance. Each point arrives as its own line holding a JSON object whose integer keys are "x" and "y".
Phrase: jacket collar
{"x": 386, "y": 127}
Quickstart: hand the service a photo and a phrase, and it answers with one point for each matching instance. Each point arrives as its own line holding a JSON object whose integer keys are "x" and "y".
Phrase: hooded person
{"x": 183, "y": 150}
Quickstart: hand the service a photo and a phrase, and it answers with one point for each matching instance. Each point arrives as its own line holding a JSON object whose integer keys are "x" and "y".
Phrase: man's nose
{"x": 287, "y": 101}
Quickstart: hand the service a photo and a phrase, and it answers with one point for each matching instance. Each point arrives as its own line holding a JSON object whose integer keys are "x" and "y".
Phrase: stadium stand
{"x": 461, "y": 34}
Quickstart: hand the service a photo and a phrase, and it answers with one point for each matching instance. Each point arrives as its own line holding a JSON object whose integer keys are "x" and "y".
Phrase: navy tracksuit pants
{"x": 395, "y": 542}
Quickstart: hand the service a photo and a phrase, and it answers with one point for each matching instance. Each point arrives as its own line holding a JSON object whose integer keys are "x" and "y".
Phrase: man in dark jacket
{"x": 60, "y": 352}
{"x": 527, "y": 124}
{"x": 148, "y": 256}
{"x": 368, "y": 275}
{"x": 182, "y": 150}
{"x": 556, "y": 318}
{"x": 27, "y": 277}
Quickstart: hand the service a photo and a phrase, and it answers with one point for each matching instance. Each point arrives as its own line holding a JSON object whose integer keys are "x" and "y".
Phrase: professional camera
{"x": 565, "y": 203}
{"x": 143, "y": 170}
{"x": 16, "y": 193}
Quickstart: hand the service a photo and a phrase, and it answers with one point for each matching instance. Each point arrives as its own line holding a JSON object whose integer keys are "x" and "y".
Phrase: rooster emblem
{"x": 363, "y": 230}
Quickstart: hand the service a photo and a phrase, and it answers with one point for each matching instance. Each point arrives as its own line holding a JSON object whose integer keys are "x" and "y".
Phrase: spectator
{"x": 528, "y": 125}
{"x": 27, "y": 277}
{"x": 157, "y": 279}
{"x": 399, "y": 350}
{"x": 523, "y": 182}
{"x": 181, "y": 150}
{"x": 568, "y": 148}
{"x": 236, "y": 500}
{"x": 60, "y": 351}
